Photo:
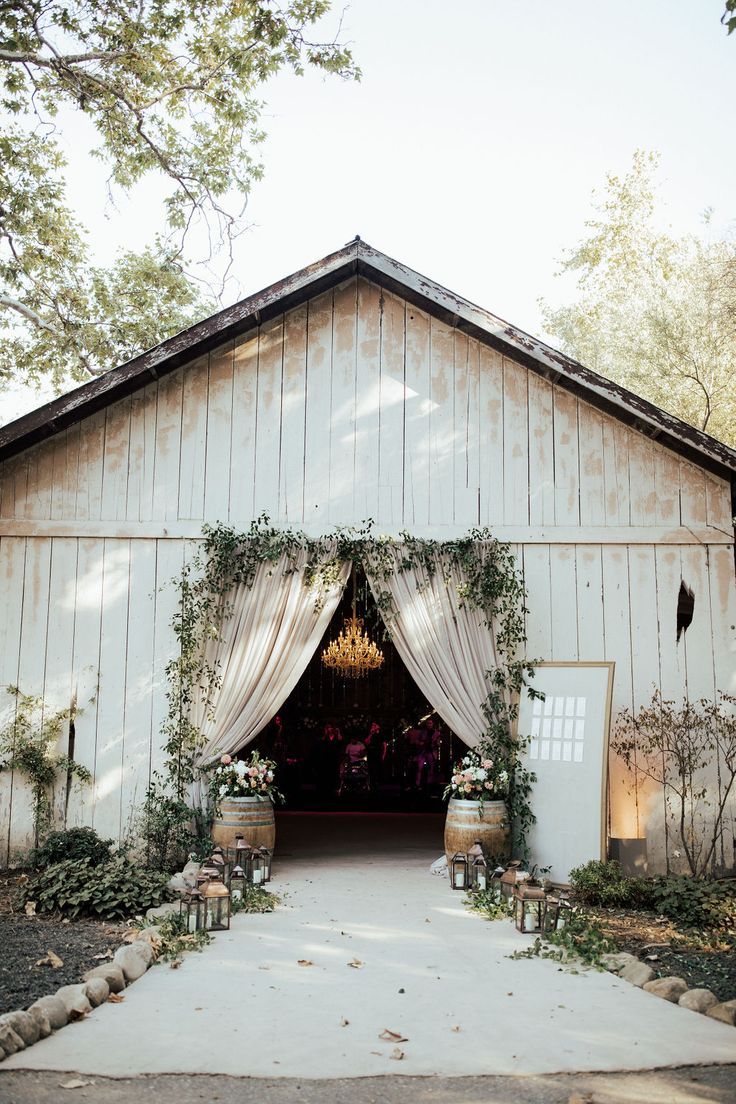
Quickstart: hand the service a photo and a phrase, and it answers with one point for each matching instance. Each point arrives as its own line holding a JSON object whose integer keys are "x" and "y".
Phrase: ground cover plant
{"x": 76, "y": 887}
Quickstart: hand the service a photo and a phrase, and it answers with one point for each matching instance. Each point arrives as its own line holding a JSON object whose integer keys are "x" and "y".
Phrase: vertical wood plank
{"x": 367, "y": 405}
{"x": 195, "y": 400}
{"x": 243, "y": 453}
{"x": 441, "y": 419}
{"x": 491, "y": 436}
{"x": 641, "y": 480}
{"x": 391, "y": 412}
{"x": 138, "y": 680}
{"x": 692, "y": 494}
{"x": 667, "y": 483}
{"x": 219, "y": 429}
{"x": 567, "y": 482}
{"x": 89, "y": 475}
{"x": 625, "y": 819}
{"x": 610, "y": 477}
{"x": 718, "y": 502}
{"x": 541, "y": 452}
{"x": 116, "y": 455}
{"x": 515, "y": 444}
{"x": 417, "y": 406}
{"x": 142, "y": 460}
{"x": 564, "y": 602}
{"x": 671, "y": 653}
{"x": 295, "y": 417}
{"x": 268, "y": 417}
{"x": 623, "y": 488}
{"x": 169, "y": 563}
{"x": 86, "y": 666}
{"x": 111, "y": 705}
{"x": 592, "y": 466}
{"x": 589, "y": 579}
{"x": 38, "y": 491}
{"x": 12, "y": 573}
{"x": 538, "y": 586}
{"x": 168, "y": 447}
{"x": 31, "y": 669}
{"x": 343, "y": 398}
{"x": 316, "y": 472}
{"x": 58, "y": 674}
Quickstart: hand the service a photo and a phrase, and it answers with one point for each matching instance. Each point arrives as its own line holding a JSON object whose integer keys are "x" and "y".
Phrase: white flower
{"x": 240, "y": 768}
{"x": 223, "y": 791}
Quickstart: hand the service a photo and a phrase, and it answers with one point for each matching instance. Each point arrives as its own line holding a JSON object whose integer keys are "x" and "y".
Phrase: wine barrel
{"x": 250, "y": 817}
{"x": 463, "y": 827}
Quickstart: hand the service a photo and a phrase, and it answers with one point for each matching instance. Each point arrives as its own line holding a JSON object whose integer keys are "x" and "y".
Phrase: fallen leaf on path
{"x": 344, "y": 1022}
{"x": 264, "y": 967}
{"x": 131, "y": 935}
{"x": 378, "y": 1052}
{"x": 30, "y": 908}
{"x": 576, "y": 1098}
{"x": 455, "y": 1027}
{"x": 427, "y": 920}
{"x": 76, "y": 1084}
{"x": 176, "y": 963}
{"x": 106, "y": 954}
{"x": 305, "y": 962}
{"x": 397, "y": 1054}
{"x": 115, "y": 998}
{"x": 356, "y": 964}
{"x": 51, "y": 959}
{"x": 392, "y": 1036}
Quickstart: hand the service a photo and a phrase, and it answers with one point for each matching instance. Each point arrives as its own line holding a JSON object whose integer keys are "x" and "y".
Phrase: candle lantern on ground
{"x": 267, "y": 861}
{"x": 192, "y": 911}
{"x": 256, "y": 867}
{"x": 219, "y": 858}
{"x": 237, "y": 884}
{"x": 555, "y": 912}
{"x": 510, "y": 877}
{"x": 211, "y": 869}
{"x": 530, "y": 905}
{"x": 459, "y": 871}
{"x": 478, "y": 873}
{"x": 495, "y": 881}
{"x": 217, "y": 905}
{"x": 236, "y": 852}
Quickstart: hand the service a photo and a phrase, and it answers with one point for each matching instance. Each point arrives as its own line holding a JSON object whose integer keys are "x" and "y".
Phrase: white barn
{"x": 353, "y": 389}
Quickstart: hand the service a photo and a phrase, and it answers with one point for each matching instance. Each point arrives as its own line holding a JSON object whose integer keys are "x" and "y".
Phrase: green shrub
{"x": 695, "y": 902}
{"x": 256, "y": 899}
{"x": 579, "y": 939}
{"x": 605, "y": 884}
{"x": 74, "y": 843}
{"x": 117, "y": 889}
{"x": 165, "y": 826}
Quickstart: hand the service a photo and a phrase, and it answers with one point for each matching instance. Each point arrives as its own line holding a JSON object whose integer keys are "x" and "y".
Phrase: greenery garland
{"x": 491, "y": 584}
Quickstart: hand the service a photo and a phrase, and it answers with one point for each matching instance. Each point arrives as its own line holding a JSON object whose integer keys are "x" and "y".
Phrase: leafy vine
{"x": 481, "y": 568}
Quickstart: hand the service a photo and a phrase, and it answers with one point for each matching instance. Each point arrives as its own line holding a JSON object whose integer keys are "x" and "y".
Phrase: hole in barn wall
{"x": 685, "y": 609}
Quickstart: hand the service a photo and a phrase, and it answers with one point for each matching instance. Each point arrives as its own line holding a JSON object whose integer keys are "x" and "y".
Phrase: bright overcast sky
{"x": 471, "y": 146}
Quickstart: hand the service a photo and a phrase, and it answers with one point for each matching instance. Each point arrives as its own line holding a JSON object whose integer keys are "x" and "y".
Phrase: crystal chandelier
{"x": 353, "y": 654}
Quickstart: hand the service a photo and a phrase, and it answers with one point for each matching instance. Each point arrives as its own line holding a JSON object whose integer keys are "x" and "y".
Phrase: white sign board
{"x": 568, "y": 752}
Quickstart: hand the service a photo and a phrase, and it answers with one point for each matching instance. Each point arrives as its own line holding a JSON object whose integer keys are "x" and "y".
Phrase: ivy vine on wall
{"x": 491, "y": 584}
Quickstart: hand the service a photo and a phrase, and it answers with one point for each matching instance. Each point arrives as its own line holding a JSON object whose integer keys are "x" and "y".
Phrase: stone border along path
{"x": 365, "y": 944}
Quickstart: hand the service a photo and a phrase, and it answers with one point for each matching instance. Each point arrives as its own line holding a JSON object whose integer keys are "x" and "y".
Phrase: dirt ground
{"x": 26, "y": 940}
{"x": 690, "y": 1085}
{"x": 704, "y": 960}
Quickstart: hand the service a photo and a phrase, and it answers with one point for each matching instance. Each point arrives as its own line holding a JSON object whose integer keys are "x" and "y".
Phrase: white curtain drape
{"x": 446, "y": 647}
{"x": 267, "y": 643}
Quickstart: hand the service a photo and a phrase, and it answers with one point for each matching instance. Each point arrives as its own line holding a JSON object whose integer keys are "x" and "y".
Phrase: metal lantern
{"x": 478, "y": 873}
{"x": 267, "y": 862}
{"x": 510, "y": 877}
{"x": 217, "y": 905}
{"x": 496, "y": 886}
{"x": 237, "y": 884}
{"x": 554, "y": 916}
{"x": 236, "y": 853}
{"x": 256, "y": 868}
{"x": 459, "y": 871}
{"x": 211, "y": 869}
{"x": 221, "y": 859}
{"x": 530, "y": 904}
{"x": 192, "y": 911}
{"x": 475, "y": 851}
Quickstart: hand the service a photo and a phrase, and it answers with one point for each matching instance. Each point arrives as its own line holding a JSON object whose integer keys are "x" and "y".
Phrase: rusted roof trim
{"x": 358, "y": 257}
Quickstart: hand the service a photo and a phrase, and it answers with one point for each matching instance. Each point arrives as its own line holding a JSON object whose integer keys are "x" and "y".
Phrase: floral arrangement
{"x": 477, "y": 778}
{"x": 239, "y": 778}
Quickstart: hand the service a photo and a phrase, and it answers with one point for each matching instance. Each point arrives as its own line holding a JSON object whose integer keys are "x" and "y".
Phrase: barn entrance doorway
{"x": 369, "y": 744}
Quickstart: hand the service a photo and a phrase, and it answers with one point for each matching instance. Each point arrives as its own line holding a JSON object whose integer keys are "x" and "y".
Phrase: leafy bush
{"x": 176, "y": 940}
{"x": 579, "y": 939}
{"x": 255, "y": 899}
{"x": 695, "y": 902}
{"x": 117, "y": 889}
{"x": 605, "y": 884}
{"x": 74, "y": 843}
{"x": 164, "y": 824}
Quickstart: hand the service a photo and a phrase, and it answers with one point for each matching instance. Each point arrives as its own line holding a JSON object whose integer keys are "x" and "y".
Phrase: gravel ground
{"x": 26, "y": 940}
{"x": 690, "y": 1085}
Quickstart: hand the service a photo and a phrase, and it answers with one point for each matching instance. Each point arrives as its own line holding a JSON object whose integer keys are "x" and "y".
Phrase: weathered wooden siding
{"x": 356, "y": 405}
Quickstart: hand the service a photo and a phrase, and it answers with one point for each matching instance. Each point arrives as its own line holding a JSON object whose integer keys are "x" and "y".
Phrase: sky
{"x": 471, "y": 146}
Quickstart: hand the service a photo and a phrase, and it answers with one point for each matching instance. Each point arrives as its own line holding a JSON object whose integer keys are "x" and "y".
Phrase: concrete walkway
{"x": 357, "y": 889}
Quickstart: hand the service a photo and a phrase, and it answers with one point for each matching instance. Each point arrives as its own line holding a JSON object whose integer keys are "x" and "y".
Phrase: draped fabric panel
{"x": 267, "y": 643}
{"x": 445, "y": 646}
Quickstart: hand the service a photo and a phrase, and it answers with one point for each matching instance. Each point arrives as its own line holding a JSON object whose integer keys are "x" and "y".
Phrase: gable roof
{"x": 359, "y": 258}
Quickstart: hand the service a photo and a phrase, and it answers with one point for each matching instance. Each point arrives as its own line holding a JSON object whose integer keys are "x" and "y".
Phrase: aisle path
{"x": 429, "y": 971}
